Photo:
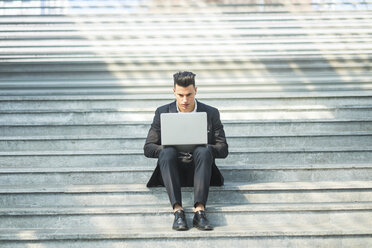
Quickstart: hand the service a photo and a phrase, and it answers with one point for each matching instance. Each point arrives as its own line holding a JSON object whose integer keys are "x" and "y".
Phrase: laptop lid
{"x": 184, "y": 130}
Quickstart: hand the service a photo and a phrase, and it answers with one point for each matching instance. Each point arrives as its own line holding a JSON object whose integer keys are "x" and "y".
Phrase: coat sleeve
{"x": 153, "y": 145}
{"x": 220, "y": 146}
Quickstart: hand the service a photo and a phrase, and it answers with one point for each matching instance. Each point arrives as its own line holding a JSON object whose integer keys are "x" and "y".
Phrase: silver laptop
{"x": 184, "y": 130}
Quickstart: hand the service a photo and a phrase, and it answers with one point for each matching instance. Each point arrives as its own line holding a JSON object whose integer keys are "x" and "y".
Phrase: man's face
{"x": 185, "y": 97}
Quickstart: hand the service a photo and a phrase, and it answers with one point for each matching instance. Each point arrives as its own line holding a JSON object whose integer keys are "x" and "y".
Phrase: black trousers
{"x": 174, "y": 173}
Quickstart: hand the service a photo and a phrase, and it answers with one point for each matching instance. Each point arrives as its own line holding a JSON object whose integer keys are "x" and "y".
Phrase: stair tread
{"x": 176, "y": 33}
{"x": 211, "y": 12}
{"x": 140, "y": 151}
{"x": 229, "y": 231}
{"x": 356, "y": 81}
{"x": 142, "y": 137}
{"x": 205, "y": 53}
{"x": 191, "y": 40}
{"x": 270, "y": 121}
{"x": 269, "y": 186}
{"x": 138, "y": 168}
{"x": 151, "y": 109}
{"x": 185, "y": 25}
{"x": 359, "y": 14}
{"x": 166, "y": 4}
{"x": 166, "y": 210}
{"x": 201, "y": 96}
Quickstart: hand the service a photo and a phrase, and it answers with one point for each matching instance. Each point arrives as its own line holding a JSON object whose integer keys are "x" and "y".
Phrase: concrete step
{"x": 235, "y": 236}
{"x": 202, "y": 56}
{"x": 309, "y": 38}
{"x": 242, "y": 90}
{"x": 223, "y": 91}
{"x": 250, "y": 141}
{"x": 185, "y": 25}
{"x": 208, "y": 49}
{"x": 181, "y": 5}
{"x": 98, "y": 116}
{"x": 243, "y": 156}
{"x": 228, "y": 32}
{"x": 197, "y": 9}
{"x": 327, "y": 39}
{"x": 34, "y": 176}
{"x": 236, "y": 100}
{"x": 204, "y": 79}
{"x": 130, "y": 195}
{"x": 183, "y": 9}
{"x": 302, "y": 76}
{"x": 321, "y": 65}
{"x": 279, "y": 95}
{"x": 283, "y": 80}
{"x": 189, "y": 18}
{"x": 178, "y": 5}
{"x": 164, "y": 87}
{"x": 232, "y": 128}
{"x": 127, "y": 217}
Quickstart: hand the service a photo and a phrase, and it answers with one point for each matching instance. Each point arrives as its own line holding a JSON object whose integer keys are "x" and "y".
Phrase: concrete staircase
{"x": 79, "y": 83}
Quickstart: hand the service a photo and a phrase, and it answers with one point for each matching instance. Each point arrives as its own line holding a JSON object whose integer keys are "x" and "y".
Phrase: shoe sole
{"x": 181, "y": 229}
{"x": 203, "y": 229}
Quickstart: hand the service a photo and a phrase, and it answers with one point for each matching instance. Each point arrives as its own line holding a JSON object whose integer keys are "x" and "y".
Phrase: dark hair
{"x": 184, "y": 78}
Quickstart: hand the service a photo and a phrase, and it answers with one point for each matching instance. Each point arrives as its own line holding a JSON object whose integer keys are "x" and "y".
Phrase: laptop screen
{"x": 184, "y": 130}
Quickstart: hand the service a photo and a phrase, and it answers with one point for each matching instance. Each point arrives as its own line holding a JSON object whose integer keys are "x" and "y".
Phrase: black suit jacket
{"x": 216, "y": 141}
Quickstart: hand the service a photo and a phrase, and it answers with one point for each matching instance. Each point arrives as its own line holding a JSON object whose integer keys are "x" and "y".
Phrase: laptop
{"x": 184, "y": 131}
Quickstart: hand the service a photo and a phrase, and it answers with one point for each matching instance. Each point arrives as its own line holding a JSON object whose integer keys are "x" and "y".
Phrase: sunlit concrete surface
{"x": 80, "y": 81}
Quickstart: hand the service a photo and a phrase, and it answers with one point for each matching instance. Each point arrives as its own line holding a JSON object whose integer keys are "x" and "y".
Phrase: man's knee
{"x": 168, "y": 154}
{"x": 202, "y": 152}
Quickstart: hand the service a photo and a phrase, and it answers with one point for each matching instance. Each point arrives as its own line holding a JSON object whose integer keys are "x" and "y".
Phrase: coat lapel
{"x": 173, "y": 107}
{"x": 199, "y": 107}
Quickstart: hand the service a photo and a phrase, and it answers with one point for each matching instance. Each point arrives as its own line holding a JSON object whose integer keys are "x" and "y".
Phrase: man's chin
{"x": 185, "y": 108}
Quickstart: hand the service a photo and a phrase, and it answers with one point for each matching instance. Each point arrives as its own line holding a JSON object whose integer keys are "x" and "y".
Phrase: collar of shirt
{"x": 195, "y": 108}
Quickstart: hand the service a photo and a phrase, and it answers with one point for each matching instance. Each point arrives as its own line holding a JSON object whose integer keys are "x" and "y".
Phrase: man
{"x": 175, "y": 170}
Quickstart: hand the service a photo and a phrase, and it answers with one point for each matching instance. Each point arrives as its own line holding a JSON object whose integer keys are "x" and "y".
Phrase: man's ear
{"x": 196, "y": 89}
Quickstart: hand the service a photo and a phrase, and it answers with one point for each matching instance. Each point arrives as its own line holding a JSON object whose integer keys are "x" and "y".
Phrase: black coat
{"x": 216, "y": 140}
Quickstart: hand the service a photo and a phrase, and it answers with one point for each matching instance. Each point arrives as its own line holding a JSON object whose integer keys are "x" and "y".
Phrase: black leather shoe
{"x": 201, "y": 222}
{"x": 180, "y": 223}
